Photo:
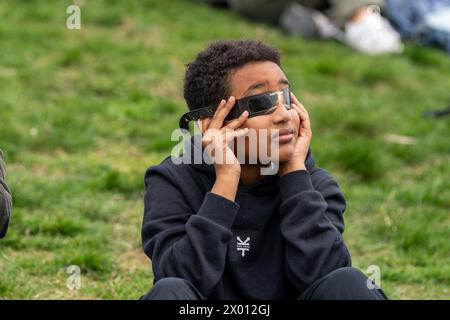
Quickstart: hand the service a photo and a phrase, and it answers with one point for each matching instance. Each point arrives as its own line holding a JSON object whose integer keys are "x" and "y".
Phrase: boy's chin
{"x": 285, "y": 154}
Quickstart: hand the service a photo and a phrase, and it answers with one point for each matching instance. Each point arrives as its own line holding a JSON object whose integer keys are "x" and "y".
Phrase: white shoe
{"x": 373, "y": 34}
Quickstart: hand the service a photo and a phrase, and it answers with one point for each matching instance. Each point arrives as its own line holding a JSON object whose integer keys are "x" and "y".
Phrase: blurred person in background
{"x": 357, "y": 23}
{"x": 423, "y": 21}
{"x": 5, "y": 199}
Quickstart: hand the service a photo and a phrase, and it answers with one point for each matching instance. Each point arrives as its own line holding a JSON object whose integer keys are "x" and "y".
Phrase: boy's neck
{"x": 250, "y": 173}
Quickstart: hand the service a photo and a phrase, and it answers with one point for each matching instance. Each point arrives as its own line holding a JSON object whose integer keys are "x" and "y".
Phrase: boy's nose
{"x": 281, "y": 113}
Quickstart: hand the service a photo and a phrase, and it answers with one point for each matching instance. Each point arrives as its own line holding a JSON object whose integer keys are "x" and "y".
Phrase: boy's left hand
{"x": 297, "y": 161}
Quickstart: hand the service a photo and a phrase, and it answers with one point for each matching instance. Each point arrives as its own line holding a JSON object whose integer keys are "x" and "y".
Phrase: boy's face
{"x": 259, "y": 77}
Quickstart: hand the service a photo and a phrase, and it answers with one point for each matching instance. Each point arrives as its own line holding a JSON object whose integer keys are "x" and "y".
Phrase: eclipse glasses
{"x": 256, "y": 105}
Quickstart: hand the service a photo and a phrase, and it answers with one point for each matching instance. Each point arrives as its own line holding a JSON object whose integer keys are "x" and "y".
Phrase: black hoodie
{"x": 277, "y": 237}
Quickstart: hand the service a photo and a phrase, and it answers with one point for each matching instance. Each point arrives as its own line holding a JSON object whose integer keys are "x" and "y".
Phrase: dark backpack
{"x": 5, "y": 200}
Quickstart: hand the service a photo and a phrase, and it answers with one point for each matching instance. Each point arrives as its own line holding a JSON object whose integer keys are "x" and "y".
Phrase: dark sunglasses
{"x": 259, "y": 104}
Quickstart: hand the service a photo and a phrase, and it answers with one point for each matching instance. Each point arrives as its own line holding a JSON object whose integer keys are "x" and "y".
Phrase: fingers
{"x": 226, "y": 133}
{"x": 305, "y": 122}
{"x": 221, "y": 113}
{"x": 294, "y": 98}
{"x": 230, "y": 134}
{"x": 304, "y": 117}
{"x": 211, "y": 124}
{"x": 298, "y": 103}
{"x": 204, "y": 124}
{"x": 236, "y": 123}
{"x": 217, "y": 121}
{"x": 199, "y": 123}
{"x": 240, "y": 132}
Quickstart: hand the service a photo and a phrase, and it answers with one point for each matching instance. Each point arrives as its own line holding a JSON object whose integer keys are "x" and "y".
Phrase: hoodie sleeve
{"x": 312, "y": 224}
{"x": 5, "y": 200}
{"x": 182, "y": 243}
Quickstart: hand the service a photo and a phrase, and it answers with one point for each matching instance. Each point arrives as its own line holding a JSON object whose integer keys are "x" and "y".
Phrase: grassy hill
{"x": 83, "y": 113}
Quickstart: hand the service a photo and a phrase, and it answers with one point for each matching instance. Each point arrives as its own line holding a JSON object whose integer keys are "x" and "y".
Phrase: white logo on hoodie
{"x": 243, "y": 245}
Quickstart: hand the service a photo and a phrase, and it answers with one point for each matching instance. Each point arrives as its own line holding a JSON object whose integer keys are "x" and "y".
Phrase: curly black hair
{"x": 206, "y": 78}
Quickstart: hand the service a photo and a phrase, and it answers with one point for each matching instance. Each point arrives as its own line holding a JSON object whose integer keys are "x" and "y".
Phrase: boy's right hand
{"x": 216, "y": 138}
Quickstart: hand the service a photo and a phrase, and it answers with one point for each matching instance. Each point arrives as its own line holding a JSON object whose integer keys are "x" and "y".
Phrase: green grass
{"x": 84, "y": 112}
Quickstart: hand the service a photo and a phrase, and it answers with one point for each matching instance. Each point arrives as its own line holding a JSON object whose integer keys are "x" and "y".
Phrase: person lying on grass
{"x": 5, "y": 199}
{"x": 218, "y": 230}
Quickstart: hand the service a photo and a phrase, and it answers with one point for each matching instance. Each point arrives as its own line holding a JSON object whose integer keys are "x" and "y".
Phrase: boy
{"x": 224, "y": 230}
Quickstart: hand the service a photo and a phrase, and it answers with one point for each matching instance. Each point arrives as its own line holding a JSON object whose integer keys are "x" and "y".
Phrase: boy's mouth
{"x": 283, "y": 135}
